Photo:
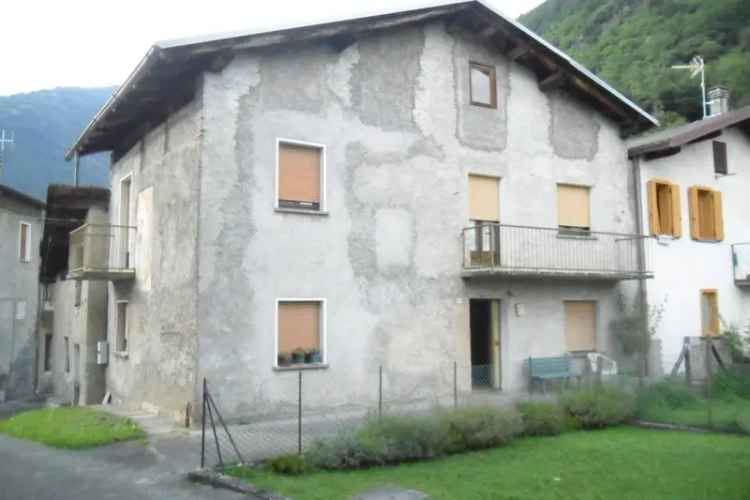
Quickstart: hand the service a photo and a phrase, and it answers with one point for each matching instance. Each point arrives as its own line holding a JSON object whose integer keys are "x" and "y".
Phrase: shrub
{"x": 743, "y": 423}
{"x": 542, "y": 418}
{"x": 397, "y": 439}
{"x": 289, "y": 464}
{"x": 478, "y": 428}
{"x": 729, "y": 384}
{"x": 670, "y": 393}
{"x": 598, "y": 407}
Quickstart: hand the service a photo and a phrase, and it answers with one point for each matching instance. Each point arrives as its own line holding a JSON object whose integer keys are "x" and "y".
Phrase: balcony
{"x": 741, "y": 264}
{"x": 507, "y": 251}
{"x": 102, "y": 252}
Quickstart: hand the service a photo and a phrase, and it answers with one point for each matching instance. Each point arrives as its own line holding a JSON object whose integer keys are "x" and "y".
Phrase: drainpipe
{"x": 642, "y": 289}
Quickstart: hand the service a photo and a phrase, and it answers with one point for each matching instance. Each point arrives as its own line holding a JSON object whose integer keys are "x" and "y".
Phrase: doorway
{"x": 484, "y": 324}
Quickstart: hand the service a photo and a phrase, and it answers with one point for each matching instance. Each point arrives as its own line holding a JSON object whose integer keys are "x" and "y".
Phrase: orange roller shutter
{"x": 484, "y": 198}
{"x": 573, "y": 206}
{"x": 299, "y": 173}
{"x": 299, "y": 326}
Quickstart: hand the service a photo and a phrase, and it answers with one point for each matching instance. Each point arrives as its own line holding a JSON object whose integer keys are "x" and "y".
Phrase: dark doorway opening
{"x": 481, "y": 342}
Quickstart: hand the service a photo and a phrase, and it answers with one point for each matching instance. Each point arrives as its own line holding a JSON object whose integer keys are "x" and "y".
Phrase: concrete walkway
{"x": 123, "y": 471}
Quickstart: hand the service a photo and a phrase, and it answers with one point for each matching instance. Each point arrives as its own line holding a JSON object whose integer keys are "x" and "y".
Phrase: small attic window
{"x": 720, "y": 158}
{"x": 483, "y": 85}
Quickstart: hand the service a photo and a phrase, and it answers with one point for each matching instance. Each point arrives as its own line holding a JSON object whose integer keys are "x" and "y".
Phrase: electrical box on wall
{"x": 102, "y": 352}
{"x": 520, "y": 309}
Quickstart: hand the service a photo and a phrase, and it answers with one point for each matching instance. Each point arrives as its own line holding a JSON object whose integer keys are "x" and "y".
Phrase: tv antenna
{"x": 696, "y": 67}
{"x": 6, "y": 142}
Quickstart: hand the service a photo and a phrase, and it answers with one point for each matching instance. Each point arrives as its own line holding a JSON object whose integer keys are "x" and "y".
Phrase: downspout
{"x": 642, "y": 289}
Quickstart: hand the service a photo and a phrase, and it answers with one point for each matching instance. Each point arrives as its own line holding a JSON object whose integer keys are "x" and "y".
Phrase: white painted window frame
{"x": 323, "y": 172}
{"x": 24, "y": 254}
{"x": 323, "y": 329}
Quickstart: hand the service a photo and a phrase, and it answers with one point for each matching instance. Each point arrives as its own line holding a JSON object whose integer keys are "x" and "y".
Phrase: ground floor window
{"x": 67, "y": 355}
{"x": 580, "y": 325}
{"x": 711, "y": 323}
{"x": 121, "y": 339}
{"x": 48, "y": 352}
{"x": 300, "y": 331}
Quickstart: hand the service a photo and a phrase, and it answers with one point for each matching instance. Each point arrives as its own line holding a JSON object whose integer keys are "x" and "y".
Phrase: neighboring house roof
{"x": 672, "y": 139}
{"x": 67, "y": 207}
{"x": 19, "y": 196}
{"x": 165, "y": 79}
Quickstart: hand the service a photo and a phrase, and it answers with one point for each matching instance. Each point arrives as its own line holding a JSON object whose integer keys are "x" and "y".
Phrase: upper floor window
{"x": 721, "y": 166}
{"x": 706, "y": 214}
{"x": 573, "y": 208}
{"x": 483, "y": 85}
{"x": 484, "y": 198}
{"x": 664, "y": 208}
{"x": 300, "y": 173}
{"x": 24, "y": 242}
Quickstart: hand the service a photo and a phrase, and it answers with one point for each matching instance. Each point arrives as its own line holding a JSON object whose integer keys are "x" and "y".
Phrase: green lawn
{"x": 70, "y": 427}
{"x": 617, "y": 463}
{"x": 724, "y": 413}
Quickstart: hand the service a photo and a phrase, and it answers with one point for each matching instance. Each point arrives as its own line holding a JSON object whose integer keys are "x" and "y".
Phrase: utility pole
{"x": 5, "y": 139}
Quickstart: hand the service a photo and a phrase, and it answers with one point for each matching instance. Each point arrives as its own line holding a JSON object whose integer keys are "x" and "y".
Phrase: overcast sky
{"x": 84, "y": 43}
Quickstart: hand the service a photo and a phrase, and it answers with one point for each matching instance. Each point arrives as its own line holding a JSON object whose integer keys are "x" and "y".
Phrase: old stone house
{"x": 20, "y": 229}
{"x": 405, "y": 190}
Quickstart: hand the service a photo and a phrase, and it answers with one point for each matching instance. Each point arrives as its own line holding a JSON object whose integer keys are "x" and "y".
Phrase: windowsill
{"x": 570, "y": 235}
{"x": 483, "y": 105}
{"x": 121, "y": 354}
{"x": 707, "y": 241}
{"x": 284, "y": 210}
{"x": 306, "y": 366}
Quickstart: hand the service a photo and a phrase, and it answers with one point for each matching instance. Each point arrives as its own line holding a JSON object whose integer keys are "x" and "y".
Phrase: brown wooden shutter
{"x": 695, "y": 230}
{"x": 23, "y": 243}
{"x": 484, "y": 198}
{"x": 573, "y": 206}
{"x": 580, "y": 326}
{"x": 653, "y": 209}
{"x": 711, "y": 323}
{"x": 718, "y": 215}
{"x": 720, "y": 158}
{"x": 676, "y": 211}
{"x": 299, "y": 173}
{"x": 299, "y": 326}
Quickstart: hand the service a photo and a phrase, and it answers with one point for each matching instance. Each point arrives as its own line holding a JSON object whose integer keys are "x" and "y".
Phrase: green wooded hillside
{"x": 633, "y": 43}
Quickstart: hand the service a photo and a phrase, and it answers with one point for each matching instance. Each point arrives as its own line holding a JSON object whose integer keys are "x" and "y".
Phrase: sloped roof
{"x": 19, "y": 196}
{"x": 165, "y": 78}
{"x": 676, "y": 137}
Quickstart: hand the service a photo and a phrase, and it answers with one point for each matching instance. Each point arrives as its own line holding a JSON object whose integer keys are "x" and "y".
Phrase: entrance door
{"x": 76, "y": 374}
{"x": 485, "y": 343}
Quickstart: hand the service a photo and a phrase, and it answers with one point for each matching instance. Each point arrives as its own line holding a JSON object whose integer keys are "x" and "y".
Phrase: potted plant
{"x": 298, "y": 356}
{"x": 284, "y": 359}
{"x": 312, "y": 355}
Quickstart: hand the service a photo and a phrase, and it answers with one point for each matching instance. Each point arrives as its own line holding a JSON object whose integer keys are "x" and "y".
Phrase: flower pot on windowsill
{"x": 298, "y": 357}
{"x": 313, "y": 356}
{"x": 284, "y": 359}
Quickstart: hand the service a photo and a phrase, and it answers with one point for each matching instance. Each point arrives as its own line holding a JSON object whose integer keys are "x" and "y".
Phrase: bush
{"x": 479, "y": 428}
{"x": 729, "y": 384}
{"x": 289, "y": 464}
{"x": 398, "y": 439}
{"x": 743, "y": 423}
{"x": 670, "y": 393}
{"x": 542, "y": 418}
{"x": 598, "y": 407}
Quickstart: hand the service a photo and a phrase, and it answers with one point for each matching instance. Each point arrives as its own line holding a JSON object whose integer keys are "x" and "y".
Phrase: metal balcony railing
{"x": 526, "y": 251}
{"x": 102, "y": 251}
{"x": 741, "y": 263}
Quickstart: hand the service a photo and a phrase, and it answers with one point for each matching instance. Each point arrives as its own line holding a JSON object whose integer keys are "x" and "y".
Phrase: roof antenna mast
{"x": 5, "y": 139}
{"x": 697, "y": 66}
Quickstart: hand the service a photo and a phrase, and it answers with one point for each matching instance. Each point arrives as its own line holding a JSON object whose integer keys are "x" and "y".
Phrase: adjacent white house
{"x": 695, "y": 185}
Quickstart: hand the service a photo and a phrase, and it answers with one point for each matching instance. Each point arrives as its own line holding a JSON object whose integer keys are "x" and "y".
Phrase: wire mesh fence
{"x": 306, "y": 411}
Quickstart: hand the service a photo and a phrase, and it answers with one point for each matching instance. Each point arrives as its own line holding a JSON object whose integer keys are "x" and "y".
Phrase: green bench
{"x": 543, "y": 369}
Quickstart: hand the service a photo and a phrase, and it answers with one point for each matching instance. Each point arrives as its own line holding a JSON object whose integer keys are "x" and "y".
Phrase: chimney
{"x": 718, "y": 101}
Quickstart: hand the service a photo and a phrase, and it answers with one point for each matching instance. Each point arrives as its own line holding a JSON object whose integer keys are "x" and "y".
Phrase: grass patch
{"x": 617, "y": 463}
{"x": 71, "y": 427}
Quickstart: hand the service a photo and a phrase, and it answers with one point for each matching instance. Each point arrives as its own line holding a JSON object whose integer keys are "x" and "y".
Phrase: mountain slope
{"x": 45, "y": 123}
{"x": 632, "y": 44}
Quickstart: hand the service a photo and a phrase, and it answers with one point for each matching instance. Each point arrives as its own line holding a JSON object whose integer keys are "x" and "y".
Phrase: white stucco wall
{"x": 683, "y": 267}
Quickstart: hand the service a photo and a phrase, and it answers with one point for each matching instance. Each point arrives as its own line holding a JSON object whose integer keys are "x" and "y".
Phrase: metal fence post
{"x": 380, "y": 391}
{"x": 299, "y": 414}
{"x": 203, "y": 427}
{"x": 709, "y": 376}
{"x": 455, "y": 384}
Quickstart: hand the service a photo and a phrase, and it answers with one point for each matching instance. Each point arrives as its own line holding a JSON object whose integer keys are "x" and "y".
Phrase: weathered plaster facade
{"x": 19, "y": 296}
{"x": 401, "y": 140}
